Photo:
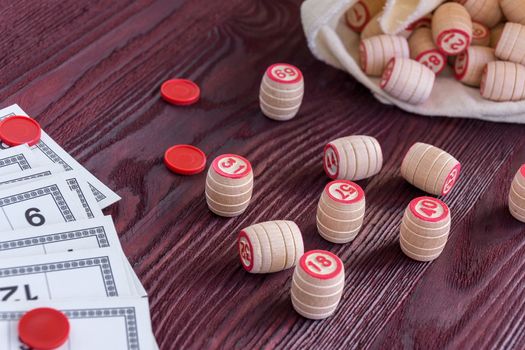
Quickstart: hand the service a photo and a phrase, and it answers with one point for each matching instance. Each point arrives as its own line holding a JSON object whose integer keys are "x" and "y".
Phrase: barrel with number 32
{"x": 229, "y": 185}
{"x": 317, "y": 284}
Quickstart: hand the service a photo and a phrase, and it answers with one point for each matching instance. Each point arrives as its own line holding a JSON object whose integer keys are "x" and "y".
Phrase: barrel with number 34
{"x": 229, "y": 185}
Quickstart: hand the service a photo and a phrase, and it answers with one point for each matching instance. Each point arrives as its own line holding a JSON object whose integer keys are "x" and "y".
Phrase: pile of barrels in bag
{"x": 483, "y": 41}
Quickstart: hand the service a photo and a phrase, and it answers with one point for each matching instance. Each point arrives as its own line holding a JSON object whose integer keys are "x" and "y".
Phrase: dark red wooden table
{"x": 90, "y": 72}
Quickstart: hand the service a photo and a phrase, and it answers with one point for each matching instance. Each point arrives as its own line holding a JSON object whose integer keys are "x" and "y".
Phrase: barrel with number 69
{"x": 229, "y": 185}
{"x": 317, "y": 284}
{"x": 281, "y": 91}
{"x": 340, "y": 211}
{"x": 424, "y": 229}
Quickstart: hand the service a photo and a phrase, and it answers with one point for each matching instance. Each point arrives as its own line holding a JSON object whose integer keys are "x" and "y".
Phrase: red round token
{"x": 185, "y": 159}
{"x": 18, "y": 130}
{"x": 43, "y": 328}
{"x": 180, "y": 92}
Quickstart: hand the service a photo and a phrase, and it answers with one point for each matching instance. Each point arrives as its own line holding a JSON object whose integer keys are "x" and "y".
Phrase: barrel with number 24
{"x": 229, "y": 185}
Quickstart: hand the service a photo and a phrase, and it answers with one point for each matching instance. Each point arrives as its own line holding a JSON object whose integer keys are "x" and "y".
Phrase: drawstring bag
{"x": 333, "y": 42}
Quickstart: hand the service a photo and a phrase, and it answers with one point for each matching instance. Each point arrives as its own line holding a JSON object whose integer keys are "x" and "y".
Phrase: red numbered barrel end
{"x": 429, "y": 209}
{"x": 321, "y": 264}
{"x": 331, "y": 161}
{"x": 43, "y": 328}
{"x": 344, "y": 191}
{"x": 451, "y": 179}
{"x": 232, "y": 166}
{"x": 387, "y": 73}
{"x": 245, "y": 251}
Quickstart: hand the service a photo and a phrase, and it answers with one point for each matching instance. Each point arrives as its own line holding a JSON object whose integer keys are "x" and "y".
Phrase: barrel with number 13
{"x": 229, "y": 185}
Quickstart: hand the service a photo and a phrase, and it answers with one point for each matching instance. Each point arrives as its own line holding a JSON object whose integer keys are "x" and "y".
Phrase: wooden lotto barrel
{"x": 375, "y": 52}
{"x": 270, "y": 246}
{"x": 353, "y": 157}
{"x": 487, "y": 12}
{"x": 317, "y": 284}
{"x": 511, "y": 44}
{"x": 424, "y": 229}
{"x": 469, "y": 64}
{"x": 229, "y": 185}
{"x": 430, "y": 169}
{"x": 407, "y": 80}
{"x": 480, "y": 35}
{"x": 340, "y": 211}
{"x": 452, "y": 28}
{"x": 517, "y": 195}
{"x": 514, "y": 10}
{"x": 503, "y": 81}
{"x": 281, "y": 92}
{"x": 424, "y": 51}
{"x": 358, "y": 16}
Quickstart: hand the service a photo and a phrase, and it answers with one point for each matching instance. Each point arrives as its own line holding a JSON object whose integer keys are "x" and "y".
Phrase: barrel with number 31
{"x": 229, "y": 185}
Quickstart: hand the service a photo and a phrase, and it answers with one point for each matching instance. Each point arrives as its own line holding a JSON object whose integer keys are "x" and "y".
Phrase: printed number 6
{"x": 34, "y": 218}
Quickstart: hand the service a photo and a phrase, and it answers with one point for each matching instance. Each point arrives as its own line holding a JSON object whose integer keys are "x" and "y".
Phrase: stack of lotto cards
{"x": 57, "y": 250}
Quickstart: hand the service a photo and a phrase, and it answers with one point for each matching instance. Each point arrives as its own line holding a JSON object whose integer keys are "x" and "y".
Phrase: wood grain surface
{"x": 90, "y": 72}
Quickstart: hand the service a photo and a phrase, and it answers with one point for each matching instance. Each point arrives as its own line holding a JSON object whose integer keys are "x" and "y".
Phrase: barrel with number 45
{"x": 340, "y": 211}
{"x": 425, "y": 228}
{"x": 229, "y": 185}
{"x": 317, "y": 284}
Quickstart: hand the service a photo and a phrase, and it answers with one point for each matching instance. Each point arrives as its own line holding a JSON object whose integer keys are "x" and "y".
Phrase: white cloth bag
{"x": 331, "y": 41}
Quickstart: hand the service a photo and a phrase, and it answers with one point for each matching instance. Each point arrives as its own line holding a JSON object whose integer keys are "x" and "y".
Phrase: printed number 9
{"x": 33, "y": 218}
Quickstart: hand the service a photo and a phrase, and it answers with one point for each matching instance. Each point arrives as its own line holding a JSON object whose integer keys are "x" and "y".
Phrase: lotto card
{"x": 101, "y": 324}
{"x": 21, "y": 177}
{"x": 17, "y": 159}
{"x": 48, "y": 148}
{"x": 60, "y": 238}
{"x": 49, "y": 201}
{"x": 84, "y": 273}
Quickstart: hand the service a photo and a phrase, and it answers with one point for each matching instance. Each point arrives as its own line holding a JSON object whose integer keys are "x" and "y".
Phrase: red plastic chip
{"x": 18, "y": 130}
{"x": 180, "y": 92}
{"x": 43, "y": 328}
{"x": 185, "y": 159}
